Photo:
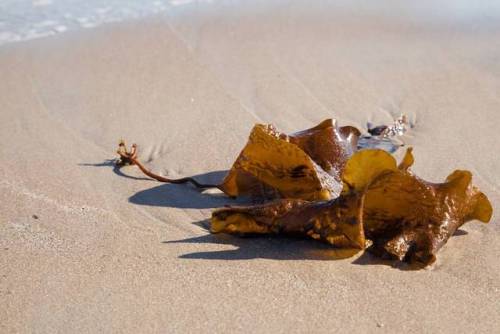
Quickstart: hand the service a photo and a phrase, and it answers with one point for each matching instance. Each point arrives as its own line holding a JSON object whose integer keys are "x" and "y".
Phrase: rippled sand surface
{"x": 87, "y": 248}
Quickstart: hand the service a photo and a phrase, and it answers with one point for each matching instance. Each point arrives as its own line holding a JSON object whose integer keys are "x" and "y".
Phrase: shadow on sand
{"x": 262, "y": 247}
{"x": 116, "y": 169}
{"x": 185, "y": 196}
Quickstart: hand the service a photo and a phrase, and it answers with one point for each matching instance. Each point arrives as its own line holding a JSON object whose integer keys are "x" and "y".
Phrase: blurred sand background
{"x": 110, "y": 251}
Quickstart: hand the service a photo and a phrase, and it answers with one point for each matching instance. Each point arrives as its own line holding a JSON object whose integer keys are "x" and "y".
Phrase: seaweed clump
{"x": 316, "y": 183}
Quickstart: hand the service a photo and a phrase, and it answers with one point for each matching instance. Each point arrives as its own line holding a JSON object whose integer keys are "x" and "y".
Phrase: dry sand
{"x": 112, "y": 252}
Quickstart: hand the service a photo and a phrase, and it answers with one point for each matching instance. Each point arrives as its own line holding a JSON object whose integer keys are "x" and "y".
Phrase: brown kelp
{"x": 316, "y": 183}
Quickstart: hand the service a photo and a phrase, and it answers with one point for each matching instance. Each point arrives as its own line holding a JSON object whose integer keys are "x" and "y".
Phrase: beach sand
{"x": 85, "y": 247}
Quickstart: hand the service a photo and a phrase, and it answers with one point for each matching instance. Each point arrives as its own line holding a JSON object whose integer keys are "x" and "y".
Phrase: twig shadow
{"x": 116, "y": 169}
{"x": 460, "y": 232}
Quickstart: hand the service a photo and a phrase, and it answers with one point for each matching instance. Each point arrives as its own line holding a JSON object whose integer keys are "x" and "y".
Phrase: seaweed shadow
{"x": 262, "y": 247}
{"x": 255, "y": 247}
{"x": 281, "y": 248}
{"x": 185, "y": 196}
{"x": 367, "y": 258}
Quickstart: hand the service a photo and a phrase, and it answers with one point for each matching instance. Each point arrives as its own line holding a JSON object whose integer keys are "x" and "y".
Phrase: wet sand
{"x": 85, "y": 247}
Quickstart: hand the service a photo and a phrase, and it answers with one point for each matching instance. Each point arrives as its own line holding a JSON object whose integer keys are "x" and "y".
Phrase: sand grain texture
{"x": 119, "y": 253}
